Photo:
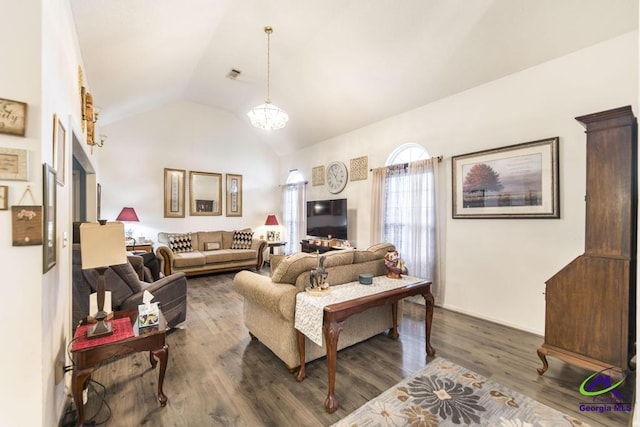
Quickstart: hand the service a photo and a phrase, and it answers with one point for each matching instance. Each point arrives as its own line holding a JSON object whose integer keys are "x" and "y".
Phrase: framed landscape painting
{"x": 517, "y": 181}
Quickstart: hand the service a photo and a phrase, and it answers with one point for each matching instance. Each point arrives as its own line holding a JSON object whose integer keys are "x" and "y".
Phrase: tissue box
{"x": 148, "y": 315}
{"x": 365, "y": 279}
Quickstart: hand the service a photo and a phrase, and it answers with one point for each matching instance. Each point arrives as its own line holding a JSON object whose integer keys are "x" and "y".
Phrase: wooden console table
{"x": 87, "y": 359}
{"x": 335, "y": 314}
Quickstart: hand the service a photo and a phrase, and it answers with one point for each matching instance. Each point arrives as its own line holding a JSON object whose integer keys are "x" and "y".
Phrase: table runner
{"x": 310, "y": 308}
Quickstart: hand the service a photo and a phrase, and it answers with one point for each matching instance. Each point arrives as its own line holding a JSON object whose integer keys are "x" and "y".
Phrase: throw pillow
{"x": 211, "y": 246}
{"x": 242, "y": 240}
{"x": 180, "y": 243}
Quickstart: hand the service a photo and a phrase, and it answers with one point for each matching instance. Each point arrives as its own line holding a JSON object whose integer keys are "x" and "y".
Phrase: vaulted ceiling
{"x": 336, "y": 65}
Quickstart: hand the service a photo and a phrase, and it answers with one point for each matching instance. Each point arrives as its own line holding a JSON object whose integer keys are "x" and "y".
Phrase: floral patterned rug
{"x": 445, "y": 394}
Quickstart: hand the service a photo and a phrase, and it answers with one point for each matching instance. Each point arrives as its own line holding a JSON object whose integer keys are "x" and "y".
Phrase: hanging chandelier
{"x": 267, "y": 116}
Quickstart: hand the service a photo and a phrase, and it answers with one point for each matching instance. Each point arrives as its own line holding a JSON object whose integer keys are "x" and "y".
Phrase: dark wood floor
{"x": 217, "y": 376}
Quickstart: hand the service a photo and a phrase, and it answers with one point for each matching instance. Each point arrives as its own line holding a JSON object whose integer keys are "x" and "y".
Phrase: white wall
{"x": 190, "y": 136}
{"x": 20, "y": 399}
{"x": 39, "y": 67}
{"x": 496, "y": 269}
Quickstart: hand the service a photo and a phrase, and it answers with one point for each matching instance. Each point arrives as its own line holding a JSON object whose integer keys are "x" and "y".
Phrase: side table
{"x": 146, "y": 247}
{"x": 271, "y": 246}
{"x": 87, "y": 359}
{"x": 275, "y": 245}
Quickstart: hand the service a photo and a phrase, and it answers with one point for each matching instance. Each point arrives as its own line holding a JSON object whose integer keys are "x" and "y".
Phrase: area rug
{"x": 445, "y": 394}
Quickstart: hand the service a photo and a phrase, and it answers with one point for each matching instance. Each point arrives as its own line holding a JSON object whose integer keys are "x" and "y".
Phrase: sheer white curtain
{"x": 407, "y": 213}
{"x": 294, "y": 215}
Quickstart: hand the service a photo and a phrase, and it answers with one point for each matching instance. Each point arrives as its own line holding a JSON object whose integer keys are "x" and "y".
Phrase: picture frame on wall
{"x": 13, "y": 119}
{"x": 205, "y": 193}
{"x": 59, "y": 149}
{"x": 234, "y": 194}
{"x": 515, "y": 181}
{"x": 14, "y": 164}
{"x": 174, "y": 189}
{"x": 49, "y": 218}
{"x": 4, "y": 197}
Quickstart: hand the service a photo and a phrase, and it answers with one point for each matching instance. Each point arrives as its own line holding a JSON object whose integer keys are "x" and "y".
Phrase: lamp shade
{"x": 102, "y": 245}
{"x": 271, "y": 220}
{"x": 128, "y": 214}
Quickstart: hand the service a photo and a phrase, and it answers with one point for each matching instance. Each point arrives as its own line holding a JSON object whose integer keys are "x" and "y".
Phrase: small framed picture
{"x": 4, "y": 198}
{"x": 13, "y": 118}
{"x": 234, "y": 195}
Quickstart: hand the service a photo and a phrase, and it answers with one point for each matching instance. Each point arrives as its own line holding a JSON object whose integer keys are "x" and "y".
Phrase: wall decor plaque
{"x": 358, "y": 168}
{"x": 4, "y": 197}
{"x": 26, "y": 225}
{"x": 13, "y": 117}
{"x": 13, "y": 164}
{"x": 317, "y": 176}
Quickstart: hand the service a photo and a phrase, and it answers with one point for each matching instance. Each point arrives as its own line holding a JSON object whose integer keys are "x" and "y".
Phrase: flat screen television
{"x": 327, "y": 218}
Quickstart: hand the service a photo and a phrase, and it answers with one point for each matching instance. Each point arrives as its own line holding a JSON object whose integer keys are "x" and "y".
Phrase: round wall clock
{"x": 336, "y": 177}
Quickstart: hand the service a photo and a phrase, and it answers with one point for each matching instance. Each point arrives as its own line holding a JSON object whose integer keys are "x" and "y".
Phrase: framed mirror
{"x": 205, "y": 190}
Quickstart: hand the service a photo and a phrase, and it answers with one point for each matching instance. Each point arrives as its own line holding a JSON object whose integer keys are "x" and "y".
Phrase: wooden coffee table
{"x": 336, "y": 314}
{"x": 151, "y": 339}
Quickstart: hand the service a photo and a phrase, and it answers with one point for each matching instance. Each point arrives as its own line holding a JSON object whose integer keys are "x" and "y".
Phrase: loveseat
{"x": 127, "y": 285}
{"x": 269, "y": 302}
{"x": 205, "y": 252}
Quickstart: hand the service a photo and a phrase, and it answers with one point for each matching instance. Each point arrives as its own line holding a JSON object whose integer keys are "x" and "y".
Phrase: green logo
{"x": 598, "y": 384}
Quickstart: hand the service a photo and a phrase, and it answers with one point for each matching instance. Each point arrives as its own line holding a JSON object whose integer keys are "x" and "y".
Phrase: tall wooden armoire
{"x": 591, "y": 303}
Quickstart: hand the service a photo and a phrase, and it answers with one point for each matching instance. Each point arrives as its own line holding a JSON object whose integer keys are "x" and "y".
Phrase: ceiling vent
{"x": 233, "y": 74}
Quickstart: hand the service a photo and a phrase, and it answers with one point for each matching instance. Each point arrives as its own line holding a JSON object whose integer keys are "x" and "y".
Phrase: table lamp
{"x": 100, "y": 247}
{"x": 129, "y": 215}
{"x": 272, "y": 221}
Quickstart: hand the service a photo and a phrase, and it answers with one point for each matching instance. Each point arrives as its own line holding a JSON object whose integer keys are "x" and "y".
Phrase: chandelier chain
{"x": 268, "y": 30}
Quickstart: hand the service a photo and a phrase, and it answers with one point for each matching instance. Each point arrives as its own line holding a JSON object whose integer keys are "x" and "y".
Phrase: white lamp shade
{"x": 102, "y": 245}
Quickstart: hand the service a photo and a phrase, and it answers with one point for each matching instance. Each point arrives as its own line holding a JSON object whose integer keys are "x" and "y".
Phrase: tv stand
{"x": 312, "y": 247}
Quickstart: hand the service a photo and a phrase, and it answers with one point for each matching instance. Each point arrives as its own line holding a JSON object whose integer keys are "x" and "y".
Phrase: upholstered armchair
{"x": 127, "y": 286}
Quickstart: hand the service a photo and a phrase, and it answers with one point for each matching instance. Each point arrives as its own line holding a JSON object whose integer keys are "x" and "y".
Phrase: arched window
{"x": 295, "y": 177}
{"x": 406, "y": 153}
{"x": 407, "y": 207}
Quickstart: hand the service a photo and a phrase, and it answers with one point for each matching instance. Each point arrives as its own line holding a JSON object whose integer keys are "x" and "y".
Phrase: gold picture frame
{"x": 14, "y": 164}
{"x": 4, "y": 197}
{"x": 174, "y": 193}
{"x": 317, "y": 176}
{"x": 13, "y": 119}
{"x": 234, "y": 194}
{"x": 205, "y": 193}
{"x": 59, "y": 149}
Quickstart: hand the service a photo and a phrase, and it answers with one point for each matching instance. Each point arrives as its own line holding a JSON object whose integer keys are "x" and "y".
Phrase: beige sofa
{"x": 269, "y": 302}
{"x": 205, "y": 252}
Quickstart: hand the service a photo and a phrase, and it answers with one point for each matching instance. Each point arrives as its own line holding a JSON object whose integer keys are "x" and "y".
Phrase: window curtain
{"x": 406, "y": 211}
{"x": 294, "y": 215}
